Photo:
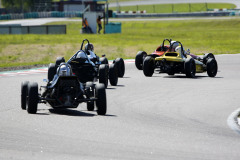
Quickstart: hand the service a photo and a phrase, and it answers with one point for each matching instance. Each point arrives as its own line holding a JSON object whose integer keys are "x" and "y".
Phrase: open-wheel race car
{"x": 91, "y": 68}
{"x": 141, "y": 55}
{"x": 175, "y": 59}
{"x": 115, "y": 69}
{"x": 63, "y": 91}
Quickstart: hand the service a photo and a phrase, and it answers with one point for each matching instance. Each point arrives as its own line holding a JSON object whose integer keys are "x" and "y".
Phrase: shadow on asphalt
{"x": 196, "y": 77}
{"x": 69, "y": 112}
{"x": 110, "y": 88}
{"x": 110, "y": 115}
{"x": 120, "y": 85}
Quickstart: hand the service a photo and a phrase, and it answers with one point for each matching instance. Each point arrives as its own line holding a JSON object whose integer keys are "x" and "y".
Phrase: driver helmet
{"x": 174, "y": 45}
{"x": 89, "y": 46}
{"x": 178, "y": 49}
{"x": 64, "y": 70}
{"x": 81, "y": 56}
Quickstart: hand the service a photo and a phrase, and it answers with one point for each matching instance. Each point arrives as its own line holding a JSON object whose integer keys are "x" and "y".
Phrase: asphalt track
{"x": 159, "y": 117}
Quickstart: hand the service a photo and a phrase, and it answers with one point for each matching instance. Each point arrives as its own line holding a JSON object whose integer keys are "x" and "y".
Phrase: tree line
{"x": 18, "y": 4}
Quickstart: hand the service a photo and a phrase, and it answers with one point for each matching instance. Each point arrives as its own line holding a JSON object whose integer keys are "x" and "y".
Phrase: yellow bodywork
{"x": 178, "y": 58}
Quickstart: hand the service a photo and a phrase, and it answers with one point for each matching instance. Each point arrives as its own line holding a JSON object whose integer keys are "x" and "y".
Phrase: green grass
{"x": 201, "y": 36}
{"x": 181, "y": 7}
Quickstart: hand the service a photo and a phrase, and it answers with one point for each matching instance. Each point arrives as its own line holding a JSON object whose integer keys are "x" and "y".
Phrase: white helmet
{"x": 178, "y": 49}
{"x": 174, "y": 44}
{"x": 64, "y": 70}
{"x": 81, "y": 55}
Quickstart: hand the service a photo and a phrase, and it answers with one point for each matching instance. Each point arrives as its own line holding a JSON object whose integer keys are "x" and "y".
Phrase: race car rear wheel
{"x": 90, "y": 93}
{"x": 32, "y": 98}
{"x": 148, "y": 66}
{"x": 139, "y": 59}
{"x": 101, "y": 101}
{"x": 113, "y": 75}
{"x": 24, "y": 94}
{"x": 103, "y": 74}
{"x": 190, "y": 68}
{"x": 212, "y": 67}
{"x": 51, "y": 71}
{"x": 207, "y": 56}
{"x": 120, "y": 67}
{"x": 59, "y": 60}
{"x": 104, "y": 60}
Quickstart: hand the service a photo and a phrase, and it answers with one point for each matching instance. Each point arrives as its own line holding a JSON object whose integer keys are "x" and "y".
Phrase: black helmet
{"x": 89, "y": 46}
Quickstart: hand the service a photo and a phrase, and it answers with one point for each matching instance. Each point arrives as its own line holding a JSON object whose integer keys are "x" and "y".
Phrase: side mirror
{"x": 188, "y": 51}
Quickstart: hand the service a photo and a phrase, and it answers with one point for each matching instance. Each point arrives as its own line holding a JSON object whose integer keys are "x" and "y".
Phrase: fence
{"x": 40, "y": 15}
{"x": 45, "y": 29}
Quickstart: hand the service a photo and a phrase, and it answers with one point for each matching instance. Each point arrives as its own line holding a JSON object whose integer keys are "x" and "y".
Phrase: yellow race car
{"x": 177, "y": 60}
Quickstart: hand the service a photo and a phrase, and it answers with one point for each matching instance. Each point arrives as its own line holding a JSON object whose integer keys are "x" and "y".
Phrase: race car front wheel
{"x": 139, "y": 59}
{"x": 212, "y": 67}
{"x": 51, "y": 71}
{"x": 101, "y": 101}
{"x": 90, "y": 93}
{"x": 148, "y": 66}
{"x": 24, "y": 94}
{"x": 103, "y": 74}
{"x": 113, "y": 74}
{"x": 120, "y": 67}
{"x": 32, "y": 98}
{"x": 190, "y": 68}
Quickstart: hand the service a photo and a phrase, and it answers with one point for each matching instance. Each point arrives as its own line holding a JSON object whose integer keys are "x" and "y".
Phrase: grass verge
{"x": 201, "y": 36}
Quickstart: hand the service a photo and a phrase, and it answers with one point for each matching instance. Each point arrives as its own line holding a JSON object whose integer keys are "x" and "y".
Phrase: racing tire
{"x": 104, "y": 60}
{"x": 190, "y": 68}
{"x": 113, "y": 74}
{"x": 59, "y": 60}
{"x": 139, "y": 59}
{"x": 148, "y": 66}
{"x": 212, "y": 67}
{"x": 101, "y": 101}
{"x": 51, "y": 71}
{"x": 103, "y": 74}
{"x": 120, "y": 67}
{"x": 207, "y": 56}
{"x": 24, "y": 94}
{"x": 32, "y": 98}
{"x": 90, "y": 93}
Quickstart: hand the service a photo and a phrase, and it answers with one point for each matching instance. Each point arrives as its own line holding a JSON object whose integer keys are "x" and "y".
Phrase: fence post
{"x": 153, "y": 8}
{"x": 189, "y": 7}
{"x": 137, "y": 7}
{"x": 172, "y": 8}
{"x": 206, "y": 6}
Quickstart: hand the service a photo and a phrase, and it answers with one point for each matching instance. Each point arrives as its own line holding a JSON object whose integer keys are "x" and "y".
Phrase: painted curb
{"x": 233, "y": 121}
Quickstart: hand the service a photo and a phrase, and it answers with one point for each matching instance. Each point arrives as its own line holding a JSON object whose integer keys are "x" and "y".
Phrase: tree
{"x": 23, "y": 5}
